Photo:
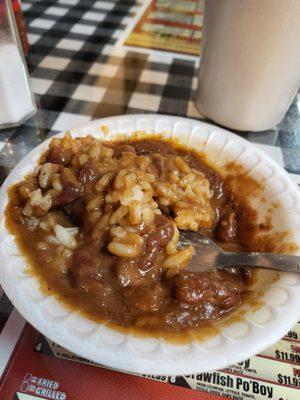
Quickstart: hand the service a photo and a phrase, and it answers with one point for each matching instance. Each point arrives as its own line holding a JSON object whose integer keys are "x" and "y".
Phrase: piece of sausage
{"x": 89, "y": 268}
{"x": 194, "y": 289}
{"x": 59, "y": 155}
{"x": 145, "y": 299}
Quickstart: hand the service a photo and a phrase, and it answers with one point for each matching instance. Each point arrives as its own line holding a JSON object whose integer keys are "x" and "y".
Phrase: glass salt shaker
{"x": 16, "y": 98}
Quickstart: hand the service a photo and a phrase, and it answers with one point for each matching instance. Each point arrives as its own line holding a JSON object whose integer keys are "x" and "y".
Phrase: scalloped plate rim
{"x": 142, "y": 364}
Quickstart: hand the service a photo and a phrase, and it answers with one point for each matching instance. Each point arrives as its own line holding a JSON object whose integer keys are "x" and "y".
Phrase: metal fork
{"x": 208, "y": 255}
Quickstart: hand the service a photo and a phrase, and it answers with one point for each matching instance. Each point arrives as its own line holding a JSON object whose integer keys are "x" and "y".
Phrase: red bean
{"x": 164, "y": 230}
{"x": 123, "y": 149}
{"x": 227, "y": 228}
{"x": 88, "y": 173}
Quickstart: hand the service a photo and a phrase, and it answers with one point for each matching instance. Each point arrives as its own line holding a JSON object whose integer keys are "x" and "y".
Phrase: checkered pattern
{"x": 79, "y": 72}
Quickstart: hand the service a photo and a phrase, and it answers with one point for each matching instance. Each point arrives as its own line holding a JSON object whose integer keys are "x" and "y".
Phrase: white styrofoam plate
{"x": 236, "y": 340}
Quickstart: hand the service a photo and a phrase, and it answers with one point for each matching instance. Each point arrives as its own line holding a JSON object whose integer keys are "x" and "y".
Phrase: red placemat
{"x": 33, "y": 375}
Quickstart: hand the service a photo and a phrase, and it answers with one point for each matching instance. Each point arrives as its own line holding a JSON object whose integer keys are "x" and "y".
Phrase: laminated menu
{"x": 170, "y": 25}
{"x": 41, "y": 369}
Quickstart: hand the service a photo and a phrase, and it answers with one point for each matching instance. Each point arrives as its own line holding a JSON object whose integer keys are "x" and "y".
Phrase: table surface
{"x": 81, "y": 70}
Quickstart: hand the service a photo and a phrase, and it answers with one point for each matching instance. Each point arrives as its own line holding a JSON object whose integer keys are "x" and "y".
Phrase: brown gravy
{"x": 134, "y": 293}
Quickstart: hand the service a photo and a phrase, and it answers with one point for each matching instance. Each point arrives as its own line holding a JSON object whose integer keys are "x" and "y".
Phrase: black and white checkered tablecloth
{"x": 80, "y": 70}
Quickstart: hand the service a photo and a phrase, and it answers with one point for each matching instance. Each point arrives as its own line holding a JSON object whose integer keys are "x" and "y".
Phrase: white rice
{"x": 65, "y": 236}
{"x": 38, "y": 200}
{"x": 134, "y": 194}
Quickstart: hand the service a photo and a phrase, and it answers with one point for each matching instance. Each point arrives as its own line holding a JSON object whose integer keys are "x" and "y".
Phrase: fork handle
{"x": 280, "y": 262}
